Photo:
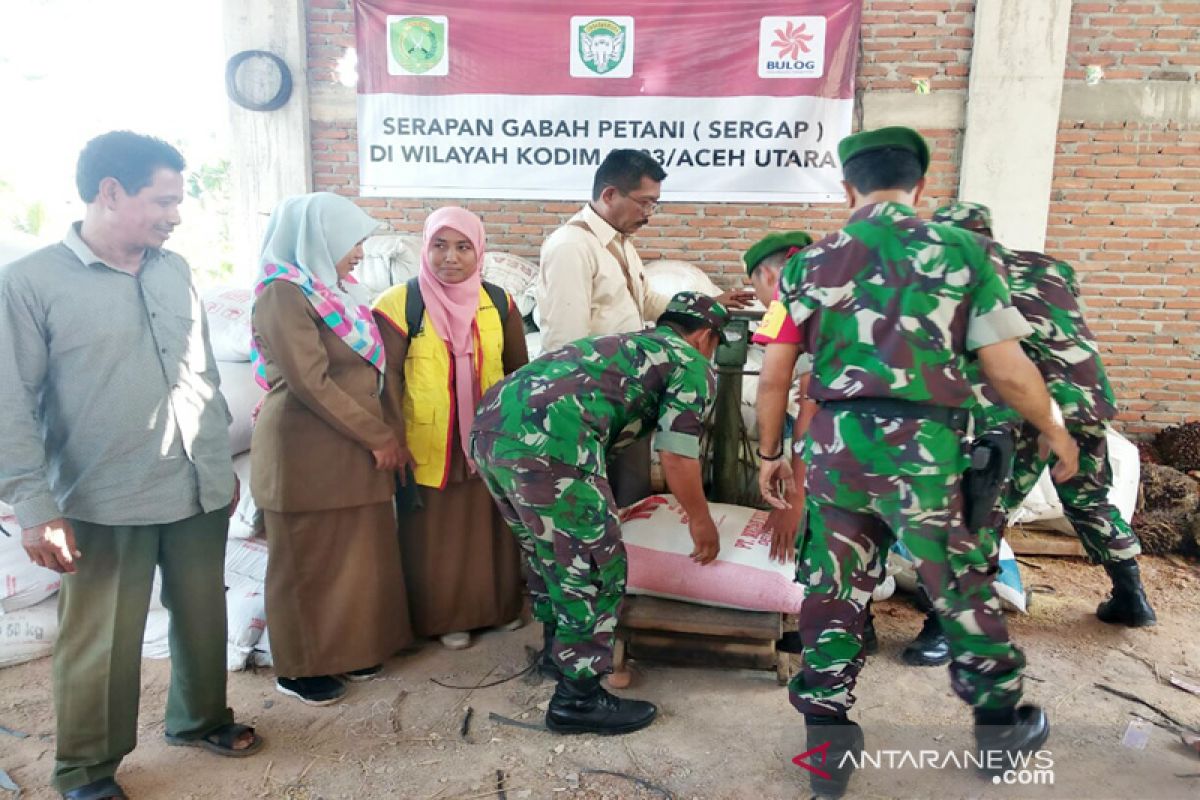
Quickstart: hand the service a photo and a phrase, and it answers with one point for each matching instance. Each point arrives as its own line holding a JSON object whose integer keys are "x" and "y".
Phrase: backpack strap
{"x": 414, "y": 308}
{"x": 414, "y": 305}
{"x": 499, "y": 299}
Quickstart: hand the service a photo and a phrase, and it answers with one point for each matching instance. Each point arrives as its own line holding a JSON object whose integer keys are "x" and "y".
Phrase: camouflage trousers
{"x": 852, "y": 522}
{"x": 566, "y": 522}
{"x": 1106, "y": 537}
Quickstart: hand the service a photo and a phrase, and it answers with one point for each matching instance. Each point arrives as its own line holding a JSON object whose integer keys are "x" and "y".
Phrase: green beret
{"x": 772, "y": 243}
{"x": 897, "y": 138}
{"x": 961, "y": 214}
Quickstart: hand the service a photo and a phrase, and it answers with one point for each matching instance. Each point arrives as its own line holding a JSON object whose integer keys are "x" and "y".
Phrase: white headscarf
{"x": 306, "y": 237}
{"x": 313, "y": 232}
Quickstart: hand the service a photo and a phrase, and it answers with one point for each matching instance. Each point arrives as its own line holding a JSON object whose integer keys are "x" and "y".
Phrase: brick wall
{"x": 900, "y": 44}
{"x": 1123, "y": 207}
{"x": 1124, "y": 210}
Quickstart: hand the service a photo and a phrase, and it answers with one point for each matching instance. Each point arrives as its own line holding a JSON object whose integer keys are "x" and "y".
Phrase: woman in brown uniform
{"x": 444, "y": 351}
{"x": 322, "y": 458}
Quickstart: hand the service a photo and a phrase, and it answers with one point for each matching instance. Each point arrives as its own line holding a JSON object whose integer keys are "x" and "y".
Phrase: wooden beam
{"x": 1029, "y": 542}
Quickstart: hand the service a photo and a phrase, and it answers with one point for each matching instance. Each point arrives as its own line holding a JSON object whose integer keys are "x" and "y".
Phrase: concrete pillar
{"x": 271, "y": 150}
{"x": 1016, "y": 84}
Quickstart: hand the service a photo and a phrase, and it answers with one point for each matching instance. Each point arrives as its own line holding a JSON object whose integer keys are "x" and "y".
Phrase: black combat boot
{"x": 581, "y": 705}
{"x": 930, "y": 648}
{"x": 1002, "y": 733}
{"x": 833, "y": 738}
{"x": 1127, "y": 605}
{"x": 547, "y": 667}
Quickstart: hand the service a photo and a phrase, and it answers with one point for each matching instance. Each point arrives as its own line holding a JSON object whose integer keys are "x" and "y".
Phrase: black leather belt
{"x": 956, "y": 418}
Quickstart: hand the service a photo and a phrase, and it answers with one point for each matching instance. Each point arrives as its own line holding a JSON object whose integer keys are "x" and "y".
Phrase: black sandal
{"x": 103, "y": 789}
{"x": 221, "y": 741}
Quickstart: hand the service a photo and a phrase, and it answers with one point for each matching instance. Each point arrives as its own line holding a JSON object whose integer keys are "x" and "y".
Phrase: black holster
{"x": 991, "y": 466}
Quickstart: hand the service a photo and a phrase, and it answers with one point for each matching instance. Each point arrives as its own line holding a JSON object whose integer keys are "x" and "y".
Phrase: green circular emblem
{"x": 418, "y": 43}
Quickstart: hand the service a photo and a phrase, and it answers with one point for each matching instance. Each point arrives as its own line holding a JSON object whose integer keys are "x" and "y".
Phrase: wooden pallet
{"x": 674, "y": 632}
{"x": 1030, "y": 542}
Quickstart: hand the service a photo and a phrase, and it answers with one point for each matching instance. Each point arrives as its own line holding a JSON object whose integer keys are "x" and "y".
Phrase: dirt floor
{"x": 721, "y": 734}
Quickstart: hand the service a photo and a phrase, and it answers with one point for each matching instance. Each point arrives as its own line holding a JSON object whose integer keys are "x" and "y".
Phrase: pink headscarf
{"x": 452, "y": 308}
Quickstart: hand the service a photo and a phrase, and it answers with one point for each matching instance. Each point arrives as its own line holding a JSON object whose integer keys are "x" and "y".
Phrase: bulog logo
{"x": 791, "y": 47}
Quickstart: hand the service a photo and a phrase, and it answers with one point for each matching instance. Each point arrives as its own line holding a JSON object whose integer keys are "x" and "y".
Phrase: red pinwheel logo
{"x": 792, "y": 40}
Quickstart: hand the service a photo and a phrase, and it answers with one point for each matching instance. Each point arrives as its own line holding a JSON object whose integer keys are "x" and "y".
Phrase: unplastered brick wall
{"x": 1135, "y": 41}
{"x": 903, "y": 42}
{"x": 1124, "y": 208}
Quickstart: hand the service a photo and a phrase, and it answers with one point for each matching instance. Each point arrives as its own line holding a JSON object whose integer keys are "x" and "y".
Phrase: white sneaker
{"x": 456, "y": 641}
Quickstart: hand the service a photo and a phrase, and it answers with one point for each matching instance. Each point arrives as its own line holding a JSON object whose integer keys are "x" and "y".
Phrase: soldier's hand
{"x": 706, "y": 540}
{"x": 1066, "y": 451}
{"x": 51, "y": 545}
{"x": 736, "y": 298}
{"x": 782, "y": 523}
{"x": 776, "y": 482}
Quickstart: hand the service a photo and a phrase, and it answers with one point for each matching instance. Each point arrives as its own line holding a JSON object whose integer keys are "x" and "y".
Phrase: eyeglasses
{"x": 648, "y": 205}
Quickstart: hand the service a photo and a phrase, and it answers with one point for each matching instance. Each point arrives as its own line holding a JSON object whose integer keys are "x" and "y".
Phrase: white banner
{"x": 747, "y": 149}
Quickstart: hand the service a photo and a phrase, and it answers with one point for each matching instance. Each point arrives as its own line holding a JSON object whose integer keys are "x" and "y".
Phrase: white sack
{"x": 671, "y": 277}
{"x": 22, "y": 583}
{"x": 228, "y": 309}
{"x": 29, "y": 634}
{"x": 242, "y": 394}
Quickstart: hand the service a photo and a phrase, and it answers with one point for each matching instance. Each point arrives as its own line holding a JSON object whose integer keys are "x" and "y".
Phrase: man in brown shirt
{"x": 592, "y": 282}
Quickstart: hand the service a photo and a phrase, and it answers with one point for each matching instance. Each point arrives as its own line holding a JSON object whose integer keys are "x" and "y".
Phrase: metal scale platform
{"x": 687, "y": 634}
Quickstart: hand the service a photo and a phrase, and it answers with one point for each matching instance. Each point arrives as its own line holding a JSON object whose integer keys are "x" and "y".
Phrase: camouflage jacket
{"x": 890, "y": 307}
{"x": 1062, "y": 346}
{"x": 584, "y": 402}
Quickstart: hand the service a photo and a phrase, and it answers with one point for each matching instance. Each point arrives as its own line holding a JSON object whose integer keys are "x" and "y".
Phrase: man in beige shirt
{"x": 592, "y": 281}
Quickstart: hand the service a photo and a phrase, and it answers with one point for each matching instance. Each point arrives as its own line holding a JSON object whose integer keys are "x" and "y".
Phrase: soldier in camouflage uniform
{"x": 890, "y": 307}
{"x": 541, "y": 441}
{"x": 1062, "y": 346}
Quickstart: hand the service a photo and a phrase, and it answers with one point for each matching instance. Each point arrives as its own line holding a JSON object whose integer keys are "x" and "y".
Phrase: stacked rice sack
{"x": 28, "y": 601}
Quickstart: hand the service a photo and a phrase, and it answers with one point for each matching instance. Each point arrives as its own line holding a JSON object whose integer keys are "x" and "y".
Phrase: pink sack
{"x": 657, "y": 542}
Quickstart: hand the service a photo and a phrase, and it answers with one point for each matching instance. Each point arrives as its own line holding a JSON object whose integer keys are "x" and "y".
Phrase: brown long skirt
{"x": 461, "y": 561}
{"x": 335, "y": 590}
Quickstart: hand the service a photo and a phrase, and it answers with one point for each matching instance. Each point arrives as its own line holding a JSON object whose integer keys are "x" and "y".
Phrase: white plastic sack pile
{"x": 228, "y": 309}
{"x": 513, "y": 274}
{"x": 657, "y": 544}
{"x": 671, "y": 277}
{"x": 28, "y": 606}
{"x": 245, "y": 600}
{"x": 29, "y": 634}
{"x": 241, "y": 523}
{"x": 1042, "y": 508}
{"x": 22, "y": 583}
{"x": 242, "y": 394}
{"x": 388, "y": 259}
